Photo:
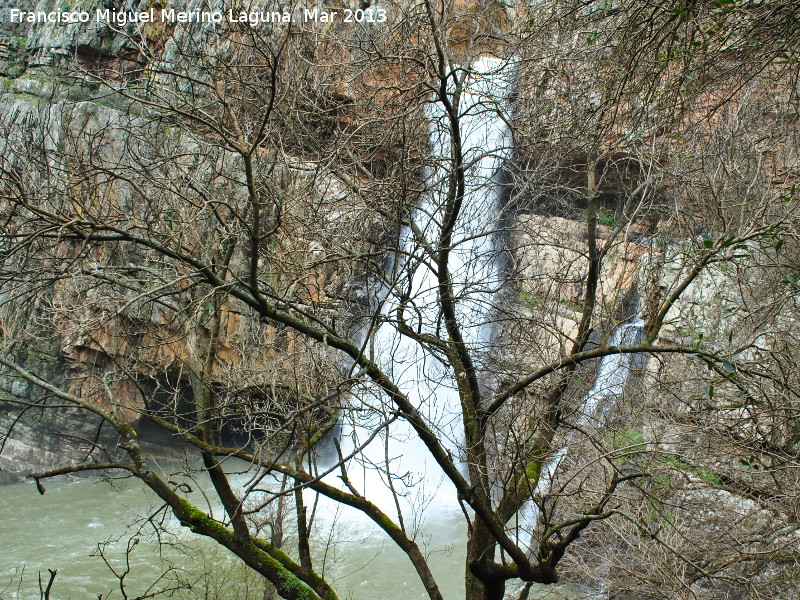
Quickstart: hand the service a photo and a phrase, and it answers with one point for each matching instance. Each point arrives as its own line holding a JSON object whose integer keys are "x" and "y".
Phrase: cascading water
{"x": 395, "y": 470}
{"x": 612, "y": 376}
{"x": 614, "y": 370}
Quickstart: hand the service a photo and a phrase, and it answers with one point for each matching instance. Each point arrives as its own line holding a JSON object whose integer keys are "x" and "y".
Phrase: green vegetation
{"x": 605, "y": 217}
{"x": 539, "y": 302}
{"x": 700, "y": 472}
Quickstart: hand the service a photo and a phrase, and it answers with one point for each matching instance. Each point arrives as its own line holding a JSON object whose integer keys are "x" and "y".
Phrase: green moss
{"x": 322, "y": 429}
{"x": 661, "y": 481}
{"x": 387, "y": 524}
{"x": 605, "y": 217}
{"x": 15, "y": 71}
{"x": 112, "y": 101}
{"x": 293, "y": 567}
{"x": 127, "y": 431}
{"x": 658, "y": 514}
{"x": 288, "y": 585}
{"x": 533, "y": 471}
{"x": 38, "y": 355}
{"x": 38, "y": 75}
{"x": 197, "y": 520}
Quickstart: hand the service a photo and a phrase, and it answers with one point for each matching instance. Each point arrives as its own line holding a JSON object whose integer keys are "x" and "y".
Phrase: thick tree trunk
{"x": 481, "y": 583}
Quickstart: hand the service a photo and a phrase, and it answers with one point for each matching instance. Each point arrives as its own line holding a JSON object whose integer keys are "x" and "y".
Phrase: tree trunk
{"x": 481, "y": 583}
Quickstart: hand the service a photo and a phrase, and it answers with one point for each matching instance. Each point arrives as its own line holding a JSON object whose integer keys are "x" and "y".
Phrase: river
{"x": 62, "y": 529}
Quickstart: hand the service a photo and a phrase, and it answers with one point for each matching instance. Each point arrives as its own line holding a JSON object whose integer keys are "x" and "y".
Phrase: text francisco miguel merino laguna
{"x": 170, "y": 15}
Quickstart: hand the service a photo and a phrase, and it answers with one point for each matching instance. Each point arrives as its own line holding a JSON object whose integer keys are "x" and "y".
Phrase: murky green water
{"x": 62, "y": 529}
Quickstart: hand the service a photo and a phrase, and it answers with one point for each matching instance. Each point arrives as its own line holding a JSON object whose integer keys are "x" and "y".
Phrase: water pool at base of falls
{"x": 61, "y": 530}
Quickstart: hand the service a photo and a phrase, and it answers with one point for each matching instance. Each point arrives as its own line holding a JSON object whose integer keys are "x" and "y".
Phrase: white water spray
{"x": 395, "y": 470}
{"x": 608, "y": 387}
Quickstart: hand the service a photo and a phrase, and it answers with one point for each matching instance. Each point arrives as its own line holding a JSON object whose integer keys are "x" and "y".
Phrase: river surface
{"x": 62, "y": 529}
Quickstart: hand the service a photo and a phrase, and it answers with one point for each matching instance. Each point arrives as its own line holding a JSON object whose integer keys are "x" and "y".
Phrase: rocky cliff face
{"x": 119, "y": 348}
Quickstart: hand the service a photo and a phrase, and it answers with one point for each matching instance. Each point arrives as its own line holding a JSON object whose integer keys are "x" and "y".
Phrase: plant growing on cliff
{"x": 264, "y": 248}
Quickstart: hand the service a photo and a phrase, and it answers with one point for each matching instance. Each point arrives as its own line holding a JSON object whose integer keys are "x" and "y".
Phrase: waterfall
{"x": 395, "y": 469}
{"x": 612, "y": 376}
{"x": 614, "y": 369}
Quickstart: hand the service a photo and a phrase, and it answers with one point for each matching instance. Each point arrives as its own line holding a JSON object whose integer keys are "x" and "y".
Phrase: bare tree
{"x": 250, "y": 251}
